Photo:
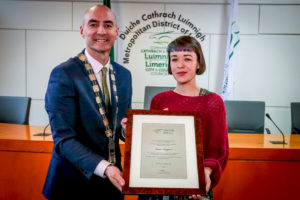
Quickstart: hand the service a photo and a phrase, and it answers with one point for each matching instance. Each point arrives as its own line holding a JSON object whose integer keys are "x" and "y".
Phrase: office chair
{"x": 295, "y": 111}
{"x": 151, "y": 91}
{"x": 14, "y": 110}
{"x": 245, "y": 116}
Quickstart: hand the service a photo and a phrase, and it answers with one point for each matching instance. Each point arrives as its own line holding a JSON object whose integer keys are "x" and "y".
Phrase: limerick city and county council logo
{"x": 155, "y": 56}
{"x": 162, "y": 38}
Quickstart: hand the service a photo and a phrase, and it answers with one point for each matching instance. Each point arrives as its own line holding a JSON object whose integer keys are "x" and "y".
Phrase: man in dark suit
{"x": 85, "y": 105}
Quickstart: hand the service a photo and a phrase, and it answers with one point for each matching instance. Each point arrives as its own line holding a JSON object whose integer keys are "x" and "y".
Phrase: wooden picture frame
{"x": 163, "y": 153}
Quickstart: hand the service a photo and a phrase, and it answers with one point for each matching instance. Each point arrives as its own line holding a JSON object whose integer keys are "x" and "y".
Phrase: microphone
{"x": 44, "y": 132}
{"x": 276, "y": 142}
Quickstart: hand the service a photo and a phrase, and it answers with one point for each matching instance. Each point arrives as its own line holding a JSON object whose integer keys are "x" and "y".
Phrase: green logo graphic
{"x": 161, "y": 38}
{"x": 155, "y": 56}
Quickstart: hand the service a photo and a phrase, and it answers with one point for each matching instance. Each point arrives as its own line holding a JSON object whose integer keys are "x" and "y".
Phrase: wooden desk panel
{"x": 256, "y": 168}
{"x": 23, "y": 174}
{"x": 24, "y": 161}
{"x": 250, "y": 180}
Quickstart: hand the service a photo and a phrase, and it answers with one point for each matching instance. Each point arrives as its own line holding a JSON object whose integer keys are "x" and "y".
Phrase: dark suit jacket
{"x": 78, "y": 131}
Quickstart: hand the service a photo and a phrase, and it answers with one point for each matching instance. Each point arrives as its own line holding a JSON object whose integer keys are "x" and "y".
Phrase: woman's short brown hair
{"x": 187, "y": 43}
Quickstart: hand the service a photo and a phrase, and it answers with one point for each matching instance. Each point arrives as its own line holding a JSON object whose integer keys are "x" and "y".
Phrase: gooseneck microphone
{"x": 276, "y": 142}
{"x": 44, "y": 132}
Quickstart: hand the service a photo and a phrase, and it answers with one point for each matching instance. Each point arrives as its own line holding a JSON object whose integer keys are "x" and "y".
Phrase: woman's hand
{"x": 207, "y": 172}
{"x": 196, "y": 196}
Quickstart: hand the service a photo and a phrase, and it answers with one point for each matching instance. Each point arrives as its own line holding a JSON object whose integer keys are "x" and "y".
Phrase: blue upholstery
{"x": 151, "y": 91}
{"x": 295, "y": 111}
{"x": 245, "y": 116}
{"x": 14, "y": 110}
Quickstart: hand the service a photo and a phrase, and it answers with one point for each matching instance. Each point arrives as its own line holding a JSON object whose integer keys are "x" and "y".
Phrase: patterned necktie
{"x": 104, "y": 86}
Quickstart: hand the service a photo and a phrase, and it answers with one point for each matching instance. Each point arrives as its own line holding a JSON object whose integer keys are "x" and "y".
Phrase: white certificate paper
{"x": 163, "y": 151}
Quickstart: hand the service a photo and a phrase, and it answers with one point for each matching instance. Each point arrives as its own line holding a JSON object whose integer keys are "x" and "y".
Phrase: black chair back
{"x": 245, "y": 116}
{"x": 151, "y": 91}
{"x": 14, "y": 110}
{"x": 295, "y": 111}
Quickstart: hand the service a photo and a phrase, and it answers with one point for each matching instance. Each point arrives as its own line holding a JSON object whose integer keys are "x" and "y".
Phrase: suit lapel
{"x": 90, "y": 91}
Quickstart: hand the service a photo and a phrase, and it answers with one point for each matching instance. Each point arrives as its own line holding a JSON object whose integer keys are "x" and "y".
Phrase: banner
{"x": 231, "y": 57}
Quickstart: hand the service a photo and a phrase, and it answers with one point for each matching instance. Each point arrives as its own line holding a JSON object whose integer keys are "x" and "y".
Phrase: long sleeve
{"x": 212, "y": 110}
{"x": 215, "y": 138}
{"x": 61, "y": 107}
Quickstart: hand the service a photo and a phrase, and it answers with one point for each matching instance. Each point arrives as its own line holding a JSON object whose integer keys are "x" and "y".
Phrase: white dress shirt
{"x": 97, "y": 66}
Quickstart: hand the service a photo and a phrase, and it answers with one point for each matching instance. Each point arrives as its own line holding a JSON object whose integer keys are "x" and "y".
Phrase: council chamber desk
{"x": 256, "y": 169}
{"x": 24, "y": 160}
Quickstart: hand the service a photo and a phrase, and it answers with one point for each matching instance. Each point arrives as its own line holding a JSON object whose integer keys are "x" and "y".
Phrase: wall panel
{"x": 38, "y": 114}
{"x": 12, "y": 63}
{"x": 45, "y": 50}
{"x": 36, "y": 15}
{"x": 280, "y": 19}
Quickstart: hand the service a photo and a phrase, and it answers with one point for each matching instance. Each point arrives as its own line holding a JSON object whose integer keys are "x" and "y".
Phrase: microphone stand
{"x": 268, "y": 131}
{"x": 44, "y": 132}
{"x": 276, "y": 142}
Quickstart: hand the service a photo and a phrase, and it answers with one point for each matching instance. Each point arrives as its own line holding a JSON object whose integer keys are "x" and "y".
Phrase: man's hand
{"x": 123, "y": 123}
{"x": 115, "y": 176}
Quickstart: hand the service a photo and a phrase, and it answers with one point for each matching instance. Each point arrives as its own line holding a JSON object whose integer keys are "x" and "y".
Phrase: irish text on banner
{"x": 231, "y": 56}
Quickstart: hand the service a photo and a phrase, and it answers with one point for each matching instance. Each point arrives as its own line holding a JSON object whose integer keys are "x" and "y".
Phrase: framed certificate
{"x": 163, "y": 153}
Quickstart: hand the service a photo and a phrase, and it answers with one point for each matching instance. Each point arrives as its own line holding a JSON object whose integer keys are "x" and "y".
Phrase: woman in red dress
{"x": 186, "y": 60}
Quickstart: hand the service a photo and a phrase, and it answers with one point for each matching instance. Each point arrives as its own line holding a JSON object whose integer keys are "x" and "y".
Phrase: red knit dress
{"x": 212, "y": 111}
